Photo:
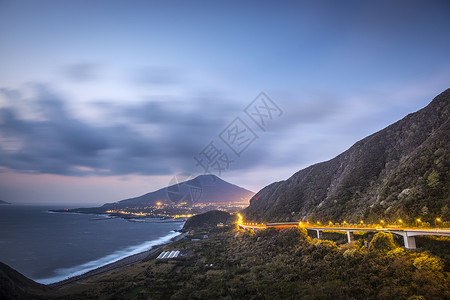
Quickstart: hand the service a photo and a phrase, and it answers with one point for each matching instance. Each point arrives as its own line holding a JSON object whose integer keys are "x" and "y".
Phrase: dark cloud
{"x": 161, "y": 136}
{"x": 152, "y": 138}
{"x": 82, "y": 72}
{"x": 157, "y": 136}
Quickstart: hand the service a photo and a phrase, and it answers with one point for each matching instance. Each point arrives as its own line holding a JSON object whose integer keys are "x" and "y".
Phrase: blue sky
{"x": 103, "y": 100}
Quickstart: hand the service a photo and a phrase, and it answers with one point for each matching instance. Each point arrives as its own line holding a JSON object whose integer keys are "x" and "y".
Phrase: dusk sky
{"x": 105, "y": 100}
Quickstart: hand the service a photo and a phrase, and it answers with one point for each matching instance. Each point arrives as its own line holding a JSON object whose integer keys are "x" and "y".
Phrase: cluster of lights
{"x": 330, "y": 223}
{"x": 399, "y": 222}
{"x": 124, "y": 212}
{"x": 183, "y": 216}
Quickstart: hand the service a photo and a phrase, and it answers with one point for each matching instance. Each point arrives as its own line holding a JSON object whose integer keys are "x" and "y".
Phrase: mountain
{"x": 208, "y": 219}
{"x": 14, "y": 285}
{"x": 4, "y": 202}
{"x": 201, "y": 189}
{"x": 402, "y": 171}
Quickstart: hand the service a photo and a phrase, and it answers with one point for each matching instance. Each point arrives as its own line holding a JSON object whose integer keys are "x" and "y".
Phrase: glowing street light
{"x": 437, "y": 220}
{"x": 400, "y": 222}
{"x": 418, "y": 222}
{"x": 240, "y": 219}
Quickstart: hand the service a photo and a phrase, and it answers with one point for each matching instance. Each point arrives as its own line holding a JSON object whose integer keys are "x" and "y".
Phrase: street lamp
{"x": 400, "y": 222}
{"x": 362, "y": 222}
{"x": 437, "y": 220}
{"x": 418, "y": 222}
{"x": 382, "y": 223}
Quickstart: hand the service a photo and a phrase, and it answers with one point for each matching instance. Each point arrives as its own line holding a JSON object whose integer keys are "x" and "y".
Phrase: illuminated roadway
{"x": 407, "y": 233}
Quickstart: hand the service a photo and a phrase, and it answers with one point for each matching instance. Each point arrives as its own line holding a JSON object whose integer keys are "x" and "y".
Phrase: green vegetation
{"x": 208, "y": 219}
{"x": 383, "y": 242}
{"x": 271, "y": 264}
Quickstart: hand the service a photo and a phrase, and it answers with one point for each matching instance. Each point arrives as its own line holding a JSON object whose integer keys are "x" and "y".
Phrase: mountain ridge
{"x": 393, "y": 173}
{"x": 201, "y": 189}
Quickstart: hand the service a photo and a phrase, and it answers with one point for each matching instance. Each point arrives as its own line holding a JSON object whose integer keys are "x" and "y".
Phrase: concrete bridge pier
{"x": 410, "y": 241}
{"x": 350, "y": 236}
{"x": 319, "y": 234}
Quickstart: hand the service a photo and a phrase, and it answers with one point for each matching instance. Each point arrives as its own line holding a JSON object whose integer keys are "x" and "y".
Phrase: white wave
{"x": 65, "y": 273}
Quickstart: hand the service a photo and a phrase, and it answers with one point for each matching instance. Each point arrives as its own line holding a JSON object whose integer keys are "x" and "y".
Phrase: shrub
{"x": 382, "y": 241}
{"x": 415, "y": 297}
{"x": 428, "y": 263}
{"x": 397, "y": 252}
{"x": 349, "y": 253}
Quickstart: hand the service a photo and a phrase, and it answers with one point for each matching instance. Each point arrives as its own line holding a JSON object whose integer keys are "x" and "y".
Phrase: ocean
{"x": 49, "y": 247}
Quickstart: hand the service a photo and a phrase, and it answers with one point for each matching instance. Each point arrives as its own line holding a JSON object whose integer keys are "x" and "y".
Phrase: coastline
{"x": 127, "y": 261}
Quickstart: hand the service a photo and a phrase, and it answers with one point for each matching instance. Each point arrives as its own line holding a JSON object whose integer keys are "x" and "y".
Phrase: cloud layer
{"x": 40, "y": 134}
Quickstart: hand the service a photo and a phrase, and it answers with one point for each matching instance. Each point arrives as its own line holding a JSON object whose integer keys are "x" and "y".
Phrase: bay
{"x": 49, "y": 247}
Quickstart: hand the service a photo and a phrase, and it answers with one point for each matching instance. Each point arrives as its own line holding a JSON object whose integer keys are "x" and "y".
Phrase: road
{"x": 408, "y": 234}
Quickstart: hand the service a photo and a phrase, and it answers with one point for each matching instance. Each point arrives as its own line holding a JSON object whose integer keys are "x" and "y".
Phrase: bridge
{"x": 408, "y": 234}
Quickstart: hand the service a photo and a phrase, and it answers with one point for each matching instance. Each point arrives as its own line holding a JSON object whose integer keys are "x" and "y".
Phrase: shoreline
{"x": 126, "y": 261}
{"x": 109, "y": 216}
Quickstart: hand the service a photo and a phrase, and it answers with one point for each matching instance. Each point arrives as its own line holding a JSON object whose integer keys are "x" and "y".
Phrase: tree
{"x": 425, "y": 262}
{"x": 444, "y": 212}
{"x": 425, "y": 211}
{"x": 433, "y": 179}
{"x": 382, "y": 241}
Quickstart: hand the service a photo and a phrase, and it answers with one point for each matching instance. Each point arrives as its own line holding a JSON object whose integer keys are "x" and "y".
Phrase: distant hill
{"x": 402, "y": 171}
{"x": 201, "y": 189}
{"x": 4, "y": 202}
{"x": 14, "y": 285}
{"x": 208, "y": 219}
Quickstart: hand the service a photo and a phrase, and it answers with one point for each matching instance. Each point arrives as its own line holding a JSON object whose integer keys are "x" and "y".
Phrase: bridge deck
{"x": 407, "y": 233}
